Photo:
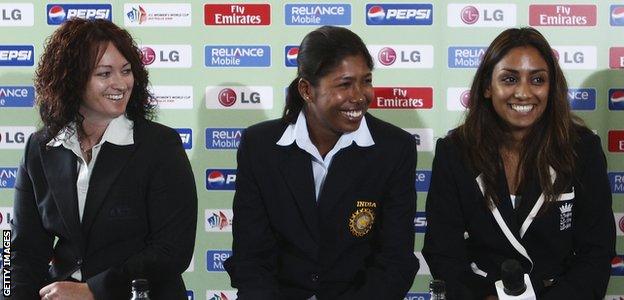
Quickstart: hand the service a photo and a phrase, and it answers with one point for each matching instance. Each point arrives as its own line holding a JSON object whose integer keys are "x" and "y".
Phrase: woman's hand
{"x": 66, "y": 290}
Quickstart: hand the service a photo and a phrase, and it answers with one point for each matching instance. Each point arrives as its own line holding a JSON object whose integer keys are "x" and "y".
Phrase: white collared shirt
{"x": 298, "y": 133}
{"x": 119, "y": 132}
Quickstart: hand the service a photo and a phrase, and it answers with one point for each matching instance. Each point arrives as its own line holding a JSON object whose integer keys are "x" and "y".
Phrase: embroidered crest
{"x": 361, "y": 221}
{"x": 565, "y": 218}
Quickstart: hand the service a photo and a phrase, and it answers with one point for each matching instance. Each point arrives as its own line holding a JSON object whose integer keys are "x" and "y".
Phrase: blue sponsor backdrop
{"x": 223, "y": 138}
{"x": 220, "y": 179}
{"x": 465, "y": 57}
{"x": 7, "y": 177}
{"x": 17, "y": 56}
{"x": 617, "y": 182}
{"x": 317, "y": 14}
{"x": 237, "y": 56}
{"x": 215, "y": 260}
{"x": 186, "y": 136}
{"x": 399, "y": 14}
{"x": 423, "y": 179}
{"x": 582, "y": 99}
{"x": 17, "y": 96}
{"x": 58, "y": 13}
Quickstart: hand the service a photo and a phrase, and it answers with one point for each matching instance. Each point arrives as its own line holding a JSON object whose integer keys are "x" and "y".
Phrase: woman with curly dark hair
{"x": 521, "y": 179}
{"x": 103, "y": 195}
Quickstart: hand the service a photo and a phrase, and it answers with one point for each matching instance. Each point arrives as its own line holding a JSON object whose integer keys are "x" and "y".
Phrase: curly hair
{"x": 549, "y": 143}
{"x": 64, "y": 69}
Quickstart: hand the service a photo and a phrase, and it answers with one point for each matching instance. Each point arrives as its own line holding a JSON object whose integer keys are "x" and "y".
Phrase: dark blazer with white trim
{"x": 465, "y": 245}
{"x": 287, "y": 247}
{"x": 139, "y": 219}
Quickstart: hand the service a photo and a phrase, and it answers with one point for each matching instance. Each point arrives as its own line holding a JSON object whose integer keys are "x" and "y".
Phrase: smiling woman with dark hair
{"x": 325, "y": 197}
{"x": 521, "y": 179}
{"x": 103, "y": 195}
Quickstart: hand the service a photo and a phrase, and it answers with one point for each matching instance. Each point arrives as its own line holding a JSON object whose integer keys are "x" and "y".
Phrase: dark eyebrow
{"x": 531, "y": 72}
{"x": 109, "y": 66}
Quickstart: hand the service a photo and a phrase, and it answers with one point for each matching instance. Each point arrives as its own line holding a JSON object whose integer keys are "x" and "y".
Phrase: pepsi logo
{"x": 216, "y": 178}
{"x": 387, "y": 56}
{"x": 469, "y": 15}
{"x": 227, "y": 97}
{"x": 464, "y": 98}
{"x": 56, "y": 13}
{"x": 617, "y": 96}
{"x": 148, "y": 56}
{"x": 291, "y": 55}
{"x": 617, "y": 15}
{"x": 376, "y": 14}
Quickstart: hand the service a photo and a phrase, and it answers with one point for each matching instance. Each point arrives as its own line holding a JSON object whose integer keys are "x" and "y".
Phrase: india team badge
{"x": 362, "y": 219}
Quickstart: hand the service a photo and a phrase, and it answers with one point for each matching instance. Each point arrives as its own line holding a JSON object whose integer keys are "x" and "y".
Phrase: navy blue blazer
{"x": 357, "y": 243}
{"x": 565, "y": 247}
{"x": 139, "y": 219}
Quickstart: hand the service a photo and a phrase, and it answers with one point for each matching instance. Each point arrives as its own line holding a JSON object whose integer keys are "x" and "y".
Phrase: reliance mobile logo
{"x": 617, "y": 266}
{"x": 481, "y": 15}
{"x": 420, "y": 222}
{"x": 186, "y": 136}
{"x": 17, "y": 56}
{"x": 616, "y": 99}
{"x": 17, "y": 96}
{"x": 423, "y": 137}
{"x": 291, "y": 53}
{"x": 237, "y": 56}
{"x": 617, "y": 15}
{"x": 465, "y": 57}
{"x": 616, "y": 57}
{"x": 237, "y": 14}
{"x": 17, "y": 14}
{"x": 223, "y": 138}
{"x": 616, "y": 140}
{"x": 219, "y": 220}
{"x": 14, "y": 137}
{"x": 562, "y": 15}
{"x": 399, "y": 14}
{"x": 59, "y": 13}
{"x": 215, "y": 260}
{"x": 402, "y": 56}
{"x": 318, "y": 14}
{"x": 7, "y": 177}
{"x": 220, "y": 179}
{"x": 617, "y": 182}
{"x": 402, "y": 98}
{"x": 582, "y": 98}
{"x": 423, "y": 180}
{"x": 244, "y": 97}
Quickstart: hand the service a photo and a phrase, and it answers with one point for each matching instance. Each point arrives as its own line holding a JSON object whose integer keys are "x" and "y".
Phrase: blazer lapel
{"x": 59, "y": 165}
{"x": 346, "y": 166}
{"x": 110, "y": 161}
{"x": 297, "y": 171}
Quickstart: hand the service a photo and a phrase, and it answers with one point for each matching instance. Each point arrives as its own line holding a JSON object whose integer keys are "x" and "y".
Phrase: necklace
{"x": 86, "y": 152}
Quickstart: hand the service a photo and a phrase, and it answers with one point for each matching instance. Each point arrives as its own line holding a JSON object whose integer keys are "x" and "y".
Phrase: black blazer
{"x": 566, "y": 248}
{"x": 139, "y": 219}
{"x": 288, "y": 247}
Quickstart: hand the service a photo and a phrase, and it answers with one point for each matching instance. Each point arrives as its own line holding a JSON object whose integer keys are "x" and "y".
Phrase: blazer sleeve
{"x": 31, "y": 245}
{"x": 252, "y": 266}
{"x": 444, "y": 246}
{"x": 392, "y": 273}
{"x": 172, "y": 216}
{"x": 594, "y": 230}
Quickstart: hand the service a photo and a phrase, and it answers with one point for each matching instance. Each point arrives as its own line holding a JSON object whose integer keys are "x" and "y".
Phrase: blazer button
{"x": 79, "y": 262}
{"x": 314, "y": 277}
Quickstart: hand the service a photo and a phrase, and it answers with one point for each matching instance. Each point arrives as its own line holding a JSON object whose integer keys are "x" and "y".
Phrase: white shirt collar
{"x": 119, "y": 132}
{"x": 298, "y": 133}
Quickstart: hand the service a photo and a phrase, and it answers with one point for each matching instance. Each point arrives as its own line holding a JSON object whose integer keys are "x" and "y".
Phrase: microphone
{"x": 514, "y": 283}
